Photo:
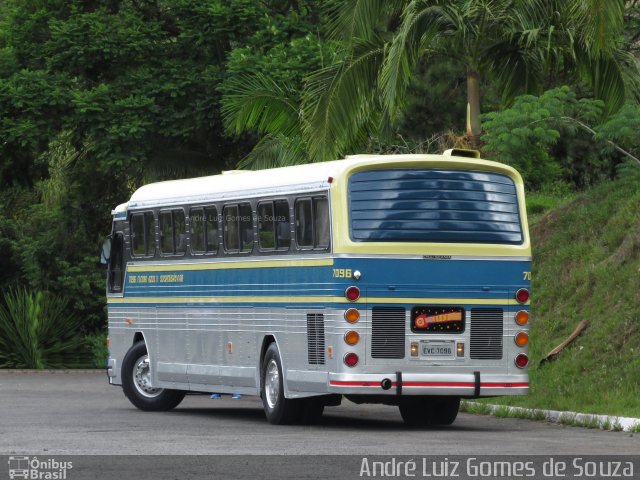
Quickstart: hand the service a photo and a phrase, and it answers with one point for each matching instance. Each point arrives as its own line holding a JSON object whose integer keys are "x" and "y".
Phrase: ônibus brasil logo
{"x": 36, "y": 469}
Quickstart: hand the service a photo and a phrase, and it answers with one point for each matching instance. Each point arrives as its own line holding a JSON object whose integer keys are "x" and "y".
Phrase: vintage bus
{"x": 396, "y": 279}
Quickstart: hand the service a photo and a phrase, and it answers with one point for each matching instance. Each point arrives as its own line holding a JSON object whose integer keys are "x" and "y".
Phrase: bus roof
{"x": 299, "y": 178}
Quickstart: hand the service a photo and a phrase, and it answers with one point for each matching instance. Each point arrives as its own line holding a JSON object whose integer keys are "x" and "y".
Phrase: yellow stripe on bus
{"x": 318, "y": 299}
{"x": 321, "y": 262}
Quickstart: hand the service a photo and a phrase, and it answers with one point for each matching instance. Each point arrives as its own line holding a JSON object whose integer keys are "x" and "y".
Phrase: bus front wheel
{"x": 136, "y": 383}
{"x": 424, "y": 411}
{"x": 278, "y": 409}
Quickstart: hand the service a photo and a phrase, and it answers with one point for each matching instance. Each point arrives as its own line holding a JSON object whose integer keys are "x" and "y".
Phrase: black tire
{"x": 445, "y": 410}
{"x": 278, "y": 409}
{"x": 425, "y": 411}
{"x": 311, "y": 410}
{"x": 143, "y": 396}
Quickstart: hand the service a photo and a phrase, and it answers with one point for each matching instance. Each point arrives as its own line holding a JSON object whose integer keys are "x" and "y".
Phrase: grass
{"x": 587, "y": 267}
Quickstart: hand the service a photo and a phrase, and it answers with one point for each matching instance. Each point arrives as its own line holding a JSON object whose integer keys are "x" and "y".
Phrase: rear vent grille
{"x": 315, "y": 338}
{"x": 486, "y": 333}
{"x": 388, "y": 332}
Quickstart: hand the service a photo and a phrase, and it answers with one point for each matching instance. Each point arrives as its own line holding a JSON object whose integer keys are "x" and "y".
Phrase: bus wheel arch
{"x": 138, "y": 337}
{"x": 135, "y": 375}
{"x": 278, "y": 409}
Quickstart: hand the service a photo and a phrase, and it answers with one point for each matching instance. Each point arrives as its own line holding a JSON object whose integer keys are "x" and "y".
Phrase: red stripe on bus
{"x": 353, "y": 383}
{"x": 504, "y": 385}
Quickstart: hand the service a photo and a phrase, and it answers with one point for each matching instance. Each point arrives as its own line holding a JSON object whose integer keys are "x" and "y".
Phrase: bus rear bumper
{"x": 464, "y": 385}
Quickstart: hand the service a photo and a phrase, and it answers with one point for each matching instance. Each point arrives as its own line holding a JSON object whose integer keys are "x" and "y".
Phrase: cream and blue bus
{"x": 394, "y": 279}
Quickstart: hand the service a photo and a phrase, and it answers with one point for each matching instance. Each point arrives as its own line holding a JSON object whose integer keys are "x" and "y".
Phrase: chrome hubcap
{"x": 142, "y": 378}
{"x": 272, "y": 383}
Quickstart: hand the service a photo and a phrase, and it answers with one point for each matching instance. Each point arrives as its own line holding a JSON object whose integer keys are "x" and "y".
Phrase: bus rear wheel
{"x": 136, "y": 383}
{"x": 311, "y": 410}
{"x": 278, "y": 409}
{"x": 424, "y": 411}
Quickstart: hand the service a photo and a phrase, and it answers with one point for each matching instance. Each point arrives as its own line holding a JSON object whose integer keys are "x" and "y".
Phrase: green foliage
{"x": 37, "y": 331}
{"x": 539, "y": 203}
{"x": 97, "y": 344}
{"x": 559, "y": 138}
{"x": 434, "y": 100}
{"x": 586, "y": 258}
{"x": 263, "y": 90}
{"x": 97, "y": 98}
{"x": 622, "y": 129}
{"x": 541, "y": 137}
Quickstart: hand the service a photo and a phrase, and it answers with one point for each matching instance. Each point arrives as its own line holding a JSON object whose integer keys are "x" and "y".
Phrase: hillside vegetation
{"x": 587, "y": 267}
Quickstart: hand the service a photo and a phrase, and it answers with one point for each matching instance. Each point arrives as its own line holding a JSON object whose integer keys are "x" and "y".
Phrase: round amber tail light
{"x": 352, "y": 315}
{"x": 351, "y": 337}
{"x": 522, "y": 339}
{"x": 522, "y": 317}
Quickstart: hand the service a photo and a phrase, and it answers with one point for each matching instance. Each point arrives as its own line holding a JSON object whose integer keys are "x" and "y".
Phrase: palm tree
{"x": 514, "y": 44}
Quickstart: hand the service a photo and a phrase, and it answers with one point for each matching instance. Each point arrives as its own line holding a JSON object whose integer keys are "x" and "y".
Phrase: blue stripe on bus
{"x": 440, "y": 278}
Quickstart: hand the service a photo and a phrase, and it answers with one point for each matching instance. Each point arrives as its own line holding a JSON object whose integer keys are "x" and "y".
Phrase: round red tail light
{"x": 352, "y": 293}
{"x": 351, "y": 359}
{"x": 522, "y": 295}
{"x": 522, "y": 360}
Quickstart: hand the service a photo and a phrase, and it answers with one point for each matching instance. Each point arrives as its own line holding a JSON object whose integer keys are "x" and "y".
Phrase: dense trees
{"x": 98, "y": 97}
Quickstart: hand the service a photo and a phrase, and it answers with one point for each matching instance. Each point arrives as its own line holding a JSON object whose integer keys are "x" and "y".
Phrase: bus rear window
{"x": 448, "y": 206}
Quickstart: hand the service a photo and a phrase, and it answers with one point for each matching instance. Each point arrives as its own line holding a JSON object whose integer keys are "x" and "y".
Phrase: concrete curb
{"x": 606, "y": 422}
{"x": 80, "y": 371}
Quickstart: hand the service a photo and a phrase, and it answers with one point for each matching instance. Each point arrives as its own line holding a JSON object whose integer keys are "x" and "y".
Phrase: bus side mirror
{"x": 105, "y": 253}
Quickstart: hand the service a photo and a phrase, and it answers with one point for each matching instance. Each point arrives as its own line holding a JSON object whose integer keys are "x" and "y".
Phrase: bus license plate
{"x": 437, "y": 349}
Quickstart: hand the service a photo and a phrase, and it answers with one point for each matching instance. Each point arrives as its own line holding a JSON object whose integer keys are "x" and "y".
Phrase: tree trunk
{"x": 474, "y": 127}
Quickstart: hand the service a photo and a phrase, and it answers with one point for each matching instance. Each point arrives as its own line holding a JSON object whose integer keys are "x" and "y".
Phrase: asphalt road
{"x": 80, "y": 414}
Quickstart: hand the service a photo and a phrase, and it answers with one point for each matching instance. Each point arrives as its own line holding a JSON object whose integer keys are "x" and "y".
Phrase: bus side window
{"x": 173, "y": 232}
{"x": 231, "y": 235}
{"x": 246, "y": 227}
{"x": 211, "y": 217}
{"x": 180, "y": 232}
{"x": 304, "y": 223}
{"x": 143, "y": 235}
{"x": 266, "y": 231}
{"x": 116, "y": 264}
{"x": 196, "y": 217}
{"x": 166, "y": 233}
{"x": 282, "y": 224}
{"x": 274, "y": 229}
{"x": 137, "y": 234}
{"x": 321, "y": 221}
